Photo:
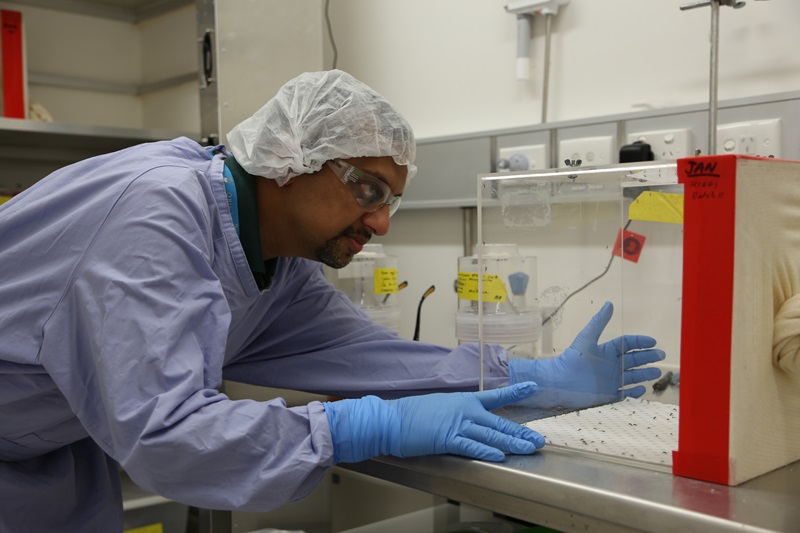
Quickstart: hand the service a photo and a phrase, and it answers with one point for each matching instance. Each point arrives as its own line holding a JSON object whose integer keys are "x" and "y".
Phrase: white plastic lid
{"x": 370, "y": 250}
{"x": 500, "y": 328}
{"x": 389, "y": 316}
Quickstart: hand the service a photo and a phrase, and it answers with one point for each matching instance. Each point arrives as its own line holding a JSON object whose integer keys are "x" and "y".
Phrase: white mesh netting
{"x": 633, "y": 429}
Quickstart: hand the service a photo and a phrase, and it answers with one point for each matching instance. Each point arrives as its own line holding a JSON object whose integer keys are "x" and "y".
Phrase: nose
{"x": 377, "y": 221}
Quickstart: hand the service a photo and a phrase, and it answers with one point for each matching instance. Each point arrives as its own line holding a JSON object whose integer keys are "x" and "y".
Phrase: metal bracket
{"x": 736, "y": 4}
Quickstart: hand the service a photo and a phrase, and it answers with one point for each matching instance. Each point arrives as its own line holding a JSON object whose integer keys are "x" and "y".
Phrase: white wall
{"x": 449, "y": 65}
{"x": 263, "y": 44}
{"x": 66, "y": 45}
{"x": 427, "y": 244}
{"x": 102, "y": 52}
{"x": 175, "y": 108}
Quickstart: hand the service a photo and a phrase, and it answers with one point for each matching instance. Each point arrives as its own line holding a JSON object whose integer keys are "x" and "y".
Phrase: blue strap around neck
{"x": 230, "y": 192}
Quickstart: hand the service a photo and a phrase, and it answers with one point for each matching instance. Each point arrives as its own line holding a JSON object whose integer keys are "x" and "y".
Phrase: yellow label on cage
{"x": 494, "y": 290}
{"x": 657, "y": 207}
{"x": 153, "y": 528}
{"x": 385, "y": 280}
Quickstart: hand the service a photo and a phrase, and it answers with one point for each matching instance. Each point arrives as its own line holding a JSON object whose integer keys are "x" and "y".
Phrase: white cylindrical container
{"x": 370, "y": 281}
{"x": 509, "y": 304}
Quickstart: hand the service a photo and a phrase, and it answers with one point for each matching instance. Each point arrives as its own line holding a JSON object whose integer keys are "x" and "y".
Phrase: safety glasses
{"x": 370, "y": 192}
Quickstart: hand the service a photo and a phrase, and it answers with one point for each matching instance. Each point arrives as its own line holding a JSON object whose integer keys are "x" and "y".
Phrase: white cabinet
{"x": 110, "y": 73}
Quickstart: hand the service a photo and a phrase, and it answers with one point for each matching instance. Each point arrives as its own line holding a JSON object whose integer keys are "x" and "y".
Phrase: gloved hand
{"x": 459, "y": 423}
{"x": 588, "y": 374}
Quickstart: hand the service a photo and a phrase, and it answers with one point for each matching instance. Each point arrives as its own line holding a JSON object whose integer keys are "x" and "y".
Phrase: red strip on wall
{"x": 708, "y": 252}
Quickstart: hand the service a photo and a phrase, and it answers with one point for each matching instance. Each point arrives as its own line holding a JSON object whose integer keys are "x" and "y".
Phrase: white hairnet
{"x": 317, "y": 117}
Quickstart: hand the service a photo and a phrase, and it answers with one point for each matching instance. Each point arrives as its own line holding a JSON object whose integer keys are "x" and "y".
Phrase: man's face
{"x": 335, "y": 227}
{"x": 333, "y": 254}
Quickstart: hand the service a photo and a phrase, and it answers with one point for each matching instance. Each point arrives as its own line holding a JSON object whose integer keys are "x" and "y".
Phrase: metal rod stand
{"x": 713, "y": 93}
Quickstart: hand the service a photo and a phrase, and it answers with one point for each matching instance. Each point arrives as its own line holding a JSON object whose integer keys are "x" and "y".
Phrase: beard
{"x": 334, "y": 253}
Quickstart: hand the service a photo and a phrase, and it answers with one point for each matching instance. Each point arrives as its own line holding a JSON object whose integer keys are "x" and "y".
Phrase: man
{"x": 132, "y": 283}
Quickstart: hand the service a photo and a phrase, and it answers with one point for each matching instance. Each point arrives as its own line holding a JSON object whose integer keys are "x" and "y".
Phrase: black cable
{"x": 400, "y": 287}
{"x": 419, "y": 309}
{"x": 330, "y": 34}
{"x": 608, "y": 266}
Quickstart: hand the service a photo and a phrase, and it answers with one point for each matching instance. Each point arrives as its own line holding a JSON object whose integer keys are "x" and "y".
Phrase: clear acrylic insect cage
{"x": 596, "y": 234}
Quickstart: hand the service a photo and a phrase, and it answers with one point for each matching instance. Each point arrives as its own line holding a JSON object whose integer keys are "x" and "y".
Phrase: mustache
{"x": 353, "y": 231}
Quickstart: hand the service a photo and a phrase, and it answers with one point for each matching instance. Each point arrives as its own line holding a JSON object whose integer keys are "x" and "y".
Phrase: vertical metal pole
{"x": 524, "y": 23}
{"x": 469, "y": 223}
{"x": 548, "y": 21}
{"x": 713, "y": 96}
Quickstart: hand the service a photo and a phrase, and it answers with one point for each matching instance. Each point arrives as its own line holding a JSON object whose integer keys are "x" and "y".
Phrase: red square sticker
{"x": 629, "y": 245}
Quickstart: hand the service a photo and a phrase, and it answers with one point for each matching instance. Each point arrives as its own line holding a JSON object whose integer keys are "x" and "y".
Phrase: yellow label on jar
{"x": 494, "y": 290}
{"x": 153, "y": 528}
{"x": 385, "y": 280}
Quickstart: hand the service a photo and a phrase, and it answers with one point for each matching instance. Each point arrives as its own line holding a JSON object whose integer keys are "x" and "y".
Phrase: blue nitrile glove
{"x": 458, "y": 422}
{"x": 588, "y": 374}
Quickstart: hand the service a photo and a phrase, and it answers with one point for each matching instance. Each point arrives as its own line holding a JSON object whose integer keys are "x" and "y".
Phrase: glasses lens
{"x": 370, "y": 192}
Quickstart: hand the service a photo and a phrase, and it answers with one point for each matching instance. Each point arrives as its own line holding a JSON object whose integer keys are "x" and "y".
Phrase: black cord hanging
{"x": 419, "y": 310}
{"x": 330, "y": 34}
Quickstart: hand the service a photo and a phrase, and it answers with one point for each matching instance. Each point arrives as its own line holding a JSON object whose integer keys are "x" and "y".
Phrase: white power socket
{"x": 761, "y": 137}
{"x": 522, "y": 158}
{"x": 666, "y": 144}
{"x": 590, "y": 150}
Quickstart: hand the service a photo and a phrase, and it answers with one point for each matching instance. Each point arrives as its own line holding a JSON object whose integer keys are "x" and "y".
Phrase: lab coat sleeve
{"x": 317, "y": 341}
{"x": 136, "y": 346}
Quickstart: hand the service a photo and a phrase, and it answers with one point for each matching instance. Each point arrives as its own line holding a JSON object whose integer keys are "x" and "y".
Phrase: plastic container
{"x": 510, "y": 312}
{"x": 371, "y": 282}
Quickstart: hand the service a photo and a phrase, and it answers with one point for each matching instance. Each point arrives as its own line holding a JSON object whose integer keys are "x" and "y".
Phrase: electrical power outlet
{"x": 590, "y": 150}
{"x": 760, "y": 137}
{"x": 666, "y": 144}
{"x": 522, "y": 158}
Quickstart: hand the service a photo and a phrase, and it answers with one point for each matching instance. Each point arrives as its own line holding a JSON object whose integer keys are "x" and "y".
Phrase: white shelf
{"x": 30, "y": 150}
{"x": 28, "y": 140}
{"x": 125, "y": 10}
{"x": 18, "y": 132}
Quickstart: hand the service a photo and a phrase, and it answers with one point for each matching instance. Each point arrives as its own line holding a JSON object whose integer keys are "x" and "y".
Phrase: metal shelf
{"x": 132, "y": 11}
{"x": 30, "y": 150}
{"x": 20, "y": 136}
{"x": 570, "y": 492}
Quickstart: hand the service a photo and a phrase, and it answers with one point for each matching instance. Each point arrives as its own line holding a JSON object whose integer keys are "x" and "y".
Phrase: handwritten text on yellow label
{"x": 494, "y": 290}
{"x": 385, "y": 280}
